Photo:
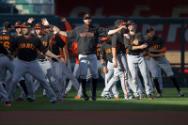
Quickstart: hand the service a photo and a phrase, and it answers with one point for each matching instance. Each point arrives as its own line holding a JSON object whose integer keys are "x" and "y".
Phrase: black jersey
{"x": 27, "y": 47}
{"x": 5, "y": 42}
{"x": 118, "y": 42}
{"x": 45, "y": 39}
{"x": 131, "y": 44}
{"x": 87, "y": 38}
{"x": 106, "y": 51}
{"x": 57, "y": 43}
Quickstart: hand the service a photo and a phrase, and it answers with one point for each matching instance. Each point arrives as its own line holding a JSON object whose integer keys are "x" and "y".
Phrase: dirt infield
{"x": 92, "y": 118}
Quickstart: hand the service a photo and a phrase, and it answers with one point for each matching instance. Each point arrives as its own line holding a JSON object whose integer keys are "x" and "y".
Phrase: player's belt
{"x": 43, "y": 60}
{"x": 136, "y": 54}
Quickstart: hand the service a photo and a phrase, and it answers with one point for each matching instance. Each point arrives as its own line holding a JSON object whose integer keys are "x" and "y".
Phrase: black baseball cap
{"x": 130, "y": 22}
{"x": 24, "y": 25}
{"x": 87, "y": 16}
{"x": 150, "y": 29}
{"x": 119, "y": 22}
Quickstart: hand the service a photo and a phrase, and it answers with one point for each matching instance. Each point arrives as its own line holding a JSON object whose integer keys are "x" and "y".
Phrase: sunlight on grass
{"x": 169, "y": 102}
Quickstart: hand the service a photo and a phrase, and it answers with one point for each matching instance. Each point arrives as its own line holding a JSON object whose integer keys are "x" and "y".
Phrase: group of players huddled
{"x": 38, "y": 55}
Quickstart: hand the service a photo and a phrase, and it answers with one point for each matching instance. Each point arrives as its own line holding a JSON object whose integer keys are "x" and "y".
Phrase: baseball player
{"x": 58, "y": 46}
{"x": 25, "y": 83}
{"x": 26, "y": 48}
{"x": 135, "y": 58}
{"x": 120, "y": 62}
{"x": 108, "y": 69}
{"x": 74, "y": 52}
{"x": 158, "y": 59}
{"x": 87, "y": 36}
{"x": 44, "y": 61}
{"x": 5, "y": 64}
{"x": 76, "y": 70}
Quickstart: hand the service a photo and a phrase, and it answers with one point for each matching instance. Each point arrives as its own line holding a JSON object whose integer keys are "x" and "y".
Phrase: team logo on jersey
{"x": 26, "y": 46}
{"x": 45, "y": 43}
{"x": 86, "y": 34}
{"x": 156, "y": 46}
{"x": 5, "y": 41}
{"x": 108, "y": 51}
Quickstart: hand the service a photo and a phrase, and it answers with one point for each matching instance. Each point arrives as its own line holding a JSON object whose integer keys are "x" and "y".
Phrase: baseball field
{"x": 169, "y": 109}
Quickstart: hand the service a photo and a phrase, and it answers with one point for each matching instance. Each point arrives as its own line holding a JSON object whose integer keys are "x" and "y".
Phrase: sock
{"x": 157, "y": 86}
{"x": 23, "y": 85}
{"x": 83, "y": 82}
{"x": 94, "y": 88}
{"x": 175, "y": 83}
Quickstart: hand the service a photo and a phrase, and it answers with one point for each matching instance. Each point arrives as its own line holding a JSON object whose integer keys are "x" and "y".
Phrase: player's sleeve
{"x": 73, "y": 33}
{"x": 68, "y": 26}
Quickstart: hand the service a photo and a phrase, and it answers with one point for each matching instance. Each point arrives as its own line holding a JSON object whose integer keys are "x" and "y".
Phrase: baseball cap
{"x": 7, "y": 24}
{"x": 87, "y": 16}
{"x": 130, "y": 22}
{"x": 37, "y": 26}
{"x": 150, "y": 29}
{"x": 24, "y": 25}
{"x": 119, "y": 22}
{"x": 17, "y": 24}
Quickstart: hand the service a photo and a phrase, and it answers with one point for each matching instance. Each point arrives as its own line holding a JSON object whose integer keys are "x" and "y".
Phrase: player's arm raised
{"x": 111, "y": 32}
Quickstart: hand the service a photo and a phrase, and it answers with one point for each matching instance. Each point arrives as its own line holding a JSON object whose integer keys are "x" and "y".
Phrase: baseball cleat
{"x": 77, "y": 97}
{"x": 86, "y": 98}
{"x": 116, "y": 98}
{"x": 129, "y": 97}
{"x": 20, "y": 99}
{"x": 158, "y": 95}
{"x": 180, "y": 94}
{"x": 93, "y": 98}
{"x": 138, "y": 97}
{"x": 7, "y": 104}
{"x": 150, "y": 96}
{"x": 54, "y": 102}
{"x": 30, "y": 99}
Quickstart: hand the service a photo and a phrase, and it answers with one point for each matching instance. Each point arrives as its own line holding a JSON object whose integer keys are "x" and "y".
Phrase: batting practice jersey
{"x": 26, "y": 47}
{"x": 87, "y": 38}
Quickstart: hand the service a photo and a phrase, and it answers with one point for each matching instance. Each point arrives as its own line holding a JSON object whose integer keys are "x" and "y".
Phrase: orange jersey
{"x": 74, "y": 47}
{"x": 68, "y": 26}
{"x": 74, "y": 51}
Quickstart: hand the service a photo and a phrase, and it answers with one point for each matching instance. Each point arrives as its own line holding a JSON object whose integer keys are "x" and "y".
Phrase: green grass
{"x": 169, "y": 102}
